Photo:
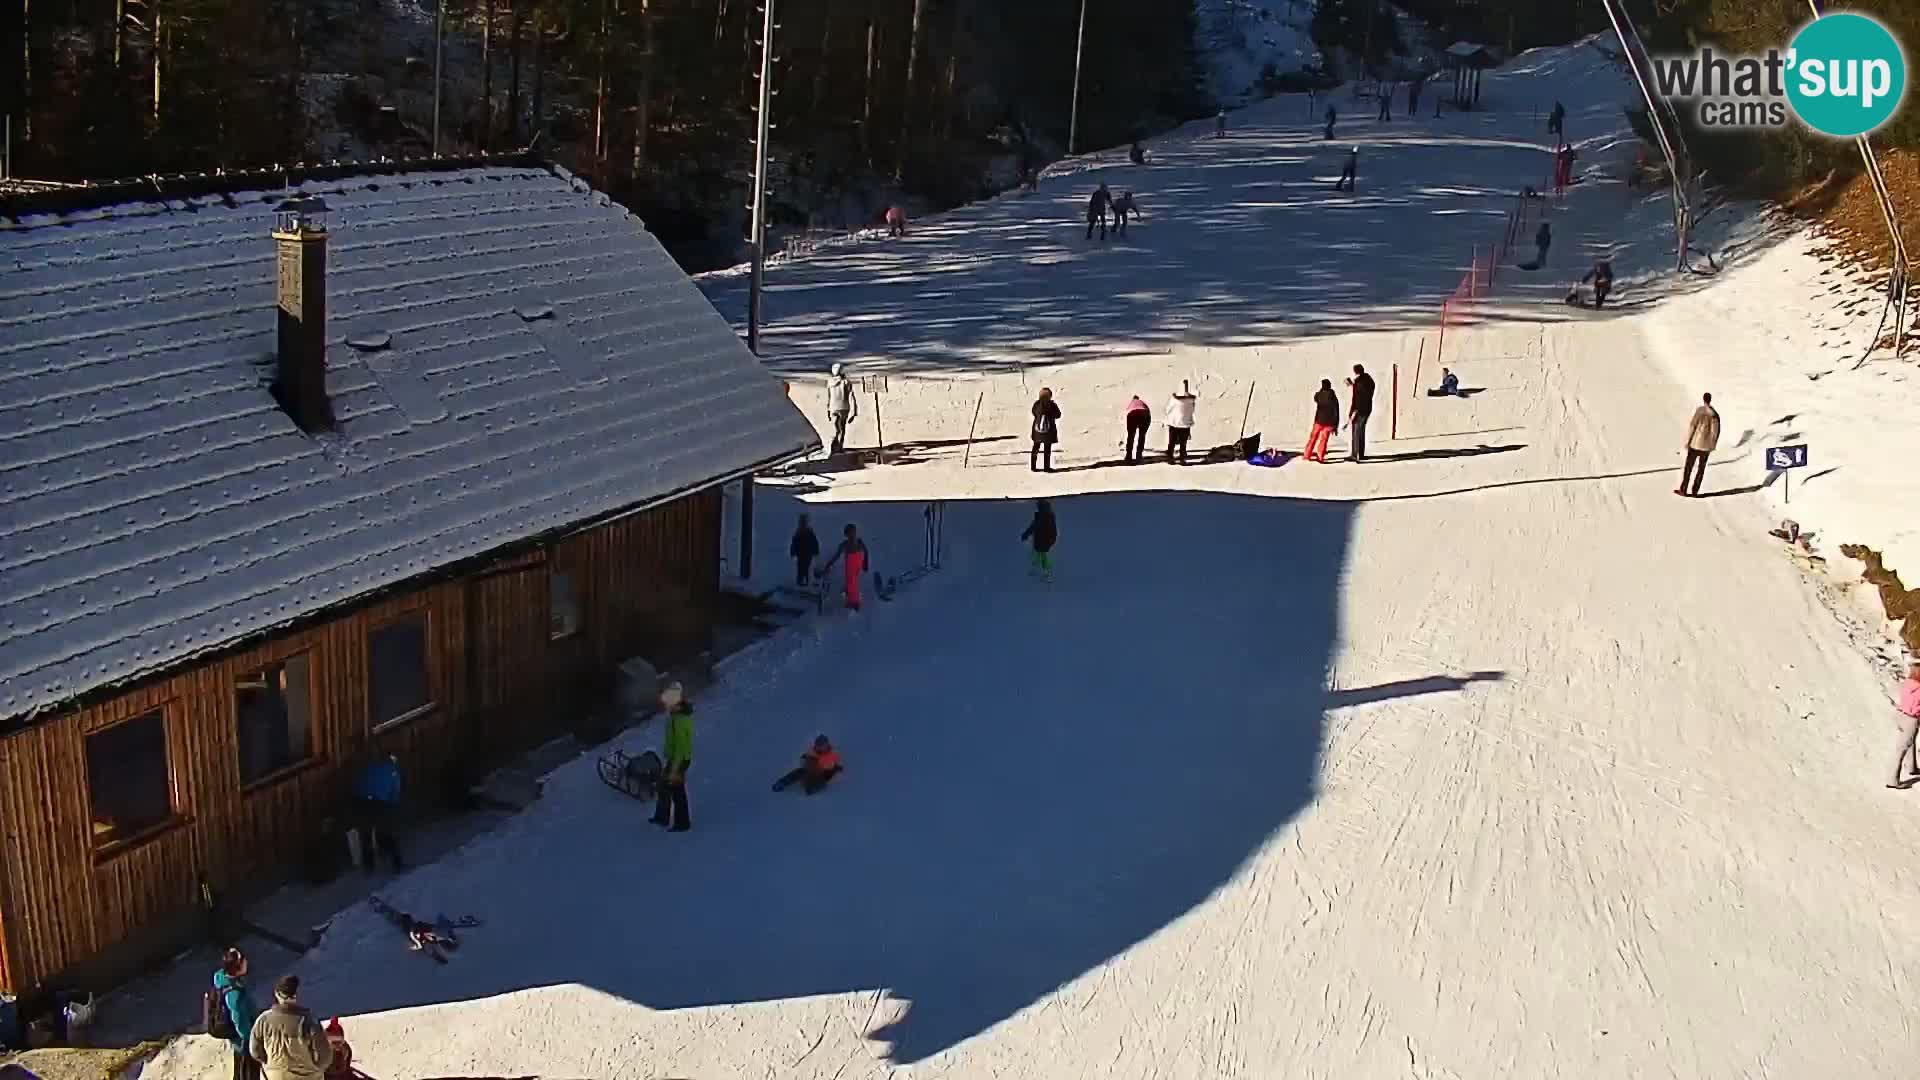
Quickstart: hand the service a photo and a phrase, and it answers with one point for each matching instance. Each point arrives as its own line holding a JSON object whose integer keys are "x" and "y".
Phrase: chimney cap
{"x": 302, "y": 213}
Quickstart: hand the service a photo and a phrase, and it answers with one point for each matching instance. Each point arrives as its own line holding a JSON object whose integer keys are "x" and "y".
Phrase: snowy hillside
{"x": 1239, "y": 40}
{"x": 1488, "y": 757}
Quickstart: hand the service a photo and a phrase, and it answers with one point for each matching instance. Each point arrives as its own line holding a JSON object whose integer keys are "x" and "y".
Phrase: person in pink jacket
{"x": 1906, "y": 763}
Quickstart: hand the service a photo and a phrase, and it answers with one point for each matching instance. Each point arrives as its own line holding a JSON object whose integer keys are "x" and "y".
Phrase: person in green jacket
{"x": 671, "y": 810}
{"x": 231, "y": 981}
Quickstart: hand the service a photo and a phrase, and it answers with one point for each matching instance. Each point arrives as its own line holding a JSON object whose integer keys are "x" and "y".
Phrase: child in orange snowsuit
{"x": 818, "y": 765}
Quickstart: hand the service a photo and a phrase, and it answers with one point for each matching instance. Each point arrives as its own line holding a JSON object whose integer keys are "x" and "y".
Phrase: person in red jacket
{"x": 818, "y": 765}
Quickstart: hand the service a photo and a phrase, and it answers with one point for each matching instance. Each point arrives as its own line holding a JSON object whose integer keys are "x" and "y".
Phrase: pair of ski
{"x": 437, "y": 939}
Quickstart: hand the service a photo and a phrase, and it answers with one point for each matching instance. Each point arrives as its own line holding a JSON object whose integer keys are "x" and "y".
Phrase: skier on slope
{"x": 854, "y": 551}
{"x": 842, "y": 406}
{"x": 1326, "y": 421}
{"x": 1703, "y": 434}
{"x": 1331, "y": 118}
{"x": 1122, "y": 210}
{"x": 1043, "y": 531}
{"x": 1349, "y": 171}
{"x": 1097, "y": 205}
{"x": 1557, "y": 121}
{"x": 1543, "y": 240}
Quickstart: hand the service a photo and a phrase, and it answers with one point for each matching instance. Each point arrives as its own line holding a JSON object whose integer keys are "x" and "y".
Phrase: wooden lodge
{"x": 301, "y": 466}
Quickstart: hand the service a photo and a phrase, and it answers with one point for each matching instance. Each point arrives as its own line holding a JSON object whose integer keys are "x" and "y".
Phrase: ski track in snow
{"x": 1490, "y": 758}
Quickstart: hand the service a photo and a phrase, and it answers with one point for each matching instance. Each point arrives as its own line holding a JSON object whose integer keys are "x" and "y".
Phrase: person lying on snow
{"x": 818, "y": 765}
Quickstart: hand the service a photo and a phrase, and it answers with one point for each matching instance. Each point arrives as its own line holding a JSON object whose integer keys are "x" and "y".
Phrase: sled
{"x": 638, "y": 776}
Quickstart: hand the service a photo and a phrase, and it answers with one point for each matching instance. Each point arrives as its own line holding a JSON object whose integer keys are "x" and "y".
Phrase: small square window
{"x": 563, "y": 607}
{"x": 397, "y": 682}
{"x": 129, "y": 785}
{"x": 273, "y": 712}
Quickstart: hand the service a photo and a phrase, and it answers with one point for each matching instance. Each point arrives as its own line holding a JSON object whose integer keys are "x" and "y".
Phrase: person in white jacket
{"x": 842, "y": 406}
{"x": 1180, "y": 422}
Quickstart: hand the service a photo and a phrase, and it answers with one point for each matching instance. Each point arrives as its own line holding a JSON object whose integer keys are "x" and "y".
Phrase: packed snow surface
{"x": 1490, "y": 757}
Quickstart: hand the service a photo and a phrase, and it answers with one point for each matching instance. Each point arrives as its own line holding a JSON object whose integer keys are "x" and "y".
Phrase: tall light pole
{"x": 439, "y": 36}
{"x": 758, "y": 239}
{"x": 1079, "y": 46}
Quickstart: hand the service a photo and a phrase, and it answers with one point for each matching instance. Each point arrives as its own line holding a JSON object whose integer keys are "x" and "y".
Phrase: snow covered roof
{"x": 544, "y": 363}
{"x": 1470, "y": 54}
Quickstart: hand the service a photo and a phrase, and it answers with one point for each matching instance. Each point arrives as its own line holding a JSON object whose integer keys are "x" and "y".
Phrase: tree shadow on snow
{"x": 1039, "y": 777}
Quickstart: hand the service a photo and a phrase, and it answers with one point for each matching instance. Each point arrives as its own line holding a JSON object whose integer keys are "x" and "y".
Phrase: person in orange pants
{"x": 854, "y": 551}
{"x": 1326, "y": 420}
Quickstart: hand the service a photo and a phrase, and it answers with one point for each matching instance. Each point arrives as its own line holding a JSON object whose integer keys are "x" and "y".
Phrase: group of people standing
{"x": 1326, "y": 416}
{"x": 1102, "y": 203}
{"x": 282, "y": 1042}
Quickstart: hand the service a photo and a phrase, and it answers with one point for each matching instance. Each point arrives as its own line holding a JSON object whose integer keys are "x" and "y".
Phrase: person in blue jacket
{"x": 378, "y": 794}
{"x": 231, "y": 981}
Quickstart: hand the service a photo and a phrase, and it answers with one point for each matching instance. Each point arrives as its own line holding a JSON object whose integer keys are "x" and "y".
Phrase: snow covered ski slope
{"x": 1488, "y": 757}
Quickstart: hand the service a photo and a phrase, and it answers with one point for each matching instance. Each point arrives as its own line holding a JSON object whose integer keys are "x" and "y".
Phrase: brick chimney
{"x": 300, "y": 258}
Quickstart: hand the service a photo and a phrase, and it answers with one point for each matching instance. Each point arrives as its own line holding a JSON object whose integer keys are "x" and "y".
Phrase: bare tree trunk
{"x": 825, "y": 61}
{"x": 906, "y": 92}
{"x": 642, "y": 114}
{"x": 538, "y": 117}
{"x": 26, "y": 71}
{"x": 159, "y": 50}
{"x": 600, "y": 97}
{"x": 486, "y": 76}
{"x": 719, "y": 22}
{"x": 513, "y": 73}
{"x": 945, "y": 120}
{"x": 119, "y": 30}
{"x": 866, "y": 104}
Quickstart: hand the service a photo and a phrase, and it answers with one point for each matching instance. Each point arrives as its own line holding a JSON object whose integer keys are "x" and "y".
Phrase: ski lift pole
{"x": 879, "y": 434}
{"x": 1393, "y": 432}
{"x": 1248, "y": 411}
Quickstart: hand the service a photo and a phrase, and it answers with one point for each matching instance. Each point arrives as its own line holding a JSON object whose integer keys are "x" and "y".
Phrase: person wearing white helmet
{"x": 1349, "y": 172}
{"x": 842, "y": 406}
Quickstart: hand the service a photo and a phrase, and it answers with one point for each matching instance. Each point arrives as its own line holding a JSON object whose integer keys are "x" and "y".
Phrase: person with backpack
{"x": 671, "y": 812}
{"x": 1046, "y": 432}
{"x": 229, "y": 1012}
{"x": 1326, "y": 421}
{"x": 804, "y": 548}
{"x": 1043, "y": 531}
{"x": 287, "y": 1041}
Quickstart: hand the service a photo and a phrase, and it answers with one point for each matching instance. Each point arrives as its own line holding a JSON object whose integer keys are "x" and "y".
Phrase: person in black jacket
{"x": 1359, "y": 409}
{"x": 805, "y": 548}
{"x": 1097, "y": 205}
{"x": 1046, "y": 432}
{"x": 1043, "y": 531}
{"x": 1326, "y": 420}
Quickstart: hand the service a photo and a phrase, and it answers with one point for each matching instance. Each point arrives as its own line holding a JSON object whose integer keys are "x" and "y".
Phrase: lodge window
{"x": 563, "y": 607}
{"x": 273, "y": 710}
{"x": 129, "y": 785}
{"x": 397, "y": 684}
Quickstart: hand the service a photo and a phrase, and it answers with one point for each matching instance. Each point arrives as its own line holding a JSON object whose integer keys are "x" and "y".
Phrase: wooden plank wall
{"x": 645, "y": 586}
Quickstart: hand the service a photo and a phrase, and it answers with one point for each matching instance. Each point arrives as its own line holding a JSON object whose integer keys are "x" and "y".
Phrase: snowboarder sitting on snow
{"x": 1097, "y": 205}
{"x": 818, "y": 765}
{"x": 1043, "y": 531}
{"x": 1449, "y": 385}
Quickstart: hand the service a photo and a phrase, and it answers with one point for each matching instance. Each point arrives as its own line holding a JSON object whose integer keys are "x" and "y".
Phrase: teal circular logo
{"x": 1846, "y": 74}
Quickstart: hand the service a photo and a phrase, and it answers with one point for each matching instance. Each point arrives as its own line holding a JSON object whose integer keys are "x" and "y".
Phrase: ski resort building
{"x": 301, "y": 466}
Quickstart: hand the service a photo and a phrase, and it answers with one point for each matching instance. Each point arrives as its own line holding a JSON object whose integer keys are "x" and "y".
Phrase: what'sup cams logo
{"x": 1843, "y": 75}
